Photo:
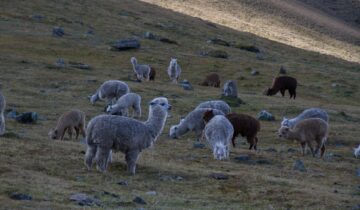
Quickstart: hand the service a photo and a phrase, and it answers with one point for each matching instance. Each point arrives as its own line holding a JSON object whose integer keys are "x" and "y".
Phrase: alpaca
{"x": 110, "y": 90}
{"x": 218, "y": 133}
{"x": 192, "y": 122}
{"x": 142, "y": 71}
{"x": 308, "y": 131}
{"x": 129, "y": 100}
{"x": 281, "y": 84}
{"x": 67, "y": 121}
{"x": 230, "y": 89}
{"x": 243, "y": 124}
{"x": 106, "y": 133}
{"x": 2, "y": 110}
{"x": 357, "y": 151}
{"x": 174, "y": 70}
{"x": 215, "y": 104}
{"x": 307, "y": 113}
{"x": 211, "y": 80}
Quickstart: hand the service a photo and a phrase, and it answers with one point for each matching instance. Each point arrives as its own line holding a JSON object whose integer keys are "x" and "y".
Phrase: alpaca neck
{"x": 181, "y": 129}
{"x": 156, "y": 121}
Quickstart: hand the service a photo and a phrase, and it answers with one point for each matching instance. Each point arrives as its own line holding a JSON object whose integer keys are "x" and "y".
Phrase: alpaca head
{"x": 133, "y": 60}
{"x": 172, "y": 132}
{"x": 269, "y": 92}
{"x": 173, "y": 62}
{"x": 284, "y": 132}
{"x": 285, "y": 122}
{"x": 161, "y": 102}
{"x": 357, "y": 151}
{"x": 53, "y": 134}
{"x": 94, "y": 98}
{"x": 220, "y": 151}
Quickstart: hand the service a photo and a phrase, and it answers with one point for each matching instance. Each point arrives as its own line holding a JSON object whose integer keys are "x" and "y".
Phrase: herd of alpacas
{"x": 118, "y": 130}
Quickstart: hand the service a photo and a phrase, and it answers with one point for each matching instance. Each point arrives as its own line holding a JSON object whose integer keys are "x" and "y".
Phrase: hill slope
{"x": 51, "y": 171}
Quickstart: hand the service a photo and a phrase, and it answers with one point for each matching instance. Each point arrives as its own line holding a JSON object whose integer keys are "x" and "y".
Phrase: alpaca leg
{"x": 77, "y": 131}
{"x": 250, "y": 140}
{"x": 89, "y": 156}
{"x": 256, "y": 141}
{"x": 233, "y": 140}
{"x": 63, "y": 134}
{"x": 311, "y": 149}
{"x": 282, "y": 92}
{"x": 294, "y": 93}
{"x": 109, "y": 160}
{"x": 69, "y": 130}
{"x": 303, "y": 144}
{"x": 82, "y": 130}
{"x": 131, "y": 158}
{"x": 101, "y": 158}
{"x": 322, "y": 150}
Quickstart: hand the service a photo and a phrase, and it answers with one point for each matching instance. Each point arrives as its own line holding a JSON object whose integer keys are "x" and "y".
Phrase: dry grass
{"x": 52, "y": 170}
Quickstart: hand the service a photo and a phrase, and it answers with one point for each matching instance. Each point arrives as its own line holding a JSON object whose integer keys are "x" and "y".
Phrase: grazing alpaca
{"x": 67, "y": 121}
{"x": 307, "y": 113}
{"x": 211, "y": 80}
{"x": 142, "y": 71}
{"x": 218, "y": 132}
{"x": 243, "y": 124}
{"x": 215, "y": 104}
{"x": 129, "y": 136}
{"x": 174, "y": 70}
{"x": 307, "y": 131}
{"x": 129, "y": 100}
{"x": 110, "y": 90}
{"x": 281, "y": 84}
{"x": 230, "y": 89}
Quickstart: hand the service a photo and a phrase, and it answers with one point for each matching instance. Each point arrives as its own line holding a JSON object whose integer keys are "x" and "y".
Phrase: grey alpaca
{"x": 174, "y": 70}
{"x": 110, "y": 132}
{"x": 306, "y": 114}
{"x": 230, "y": 89}
{"x": 142, "y": 71}
{"x": 218, "y": 132}
{"x": 192, "y": 122}
{"x": 215, "y": 104}
{"x": 110, "y": 90}
{"x": 2, "y": 110}
{"x": 129, "y": 100}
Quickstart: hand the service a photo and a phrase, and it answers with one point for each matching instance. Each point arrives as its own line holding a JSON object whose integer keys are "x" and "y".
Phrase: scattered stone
{"x": 111, "y": 194}
{"x": 243, "y": 158}
{"x": 358, "y": 172}
{"x": 198, "y": 145}
{"x": 254, "y": 72}
{"x": 299, "y": 166}
{"x": 218, "y": 42}
{"x": 232, "y": 101}
{"x": 123, "y": 183}
{"x": 27, "y": 117}
{"x": 260, "y": 56}
{"x": 339, "y": 144}
{"x": 167, "y": 40}
{"x": 291, "y": 150}
{"x": 335, "y": 191}
{"x": 217, "y": 54}
{"x": 83, "y": 199}
{"x": 334, "y": 85}
{"x": 20, "y": 196}
{"x": 149, "y": 35}
{"x": 10, "y": 134}
{"x": 125, "y": 44}
{"x": 219, "y": 176}
{"x": 356, "y": 207}
{"x": 170, "y": 178}
{"x": 270, "y": 150}
{"x": 139, "y": 200}
{"x": 151, "y": 193}
{"x": 11, "y": 113}
{"x": 263, "y": 162}
{"x": 58, "y": 31}
{"x": 185, "y": 84}
{"x": 250, "y": 48}
{"x": 264, "y": 115}
{"x": 37, "y": 17}
{"x": 60, "y": 63}
{"x": 282, "y": 70}
{"x": 79, "y": 65}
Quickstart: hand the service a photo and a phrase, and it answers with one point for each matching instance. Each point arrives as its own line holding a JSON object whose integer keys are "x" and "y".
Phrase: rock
{"x": 125, "y": 44}
{"x": 250, "y": 48}
{"x": 20, "y": 196}
{"x": 37, "y": 17}
{"x": 197, "y": 145}
{"x": 58, "y": 31}
{"x": 27, "y": 117}
{"x": 291, "y": 150}
{"x": 356, "y": 207}
{"x": 170, "y": 178}
{"x": 219, "y": 176}
{"x": 167, "y": 40}
{"x": 79, "y": 65}
{"x": 282, "y": 70}
{"x": 254, "y": 72}
{"x": 299, "y": 166}
{"x": 185, "y": 84}
{"x": 218, "y": 54}
{"x": 334, "y": 85}
{"x": 12, "y": 113}
{"x": 123, "y": 183}
{"x": 83, "y": 199}
{"x": 10, "y": 134}
{"x": 264, "y": 115}
{"x": 149, "y": 35}
{"x": 111, "y": 194}
{"x": 60, "y": 63}
{"x": 244, "y": 159}
{"x": 218, "y": 42}
{"x": 339, "y": 144}
{"x": 139, "y": 200}
{"x": 263, "y": 162}
{"x": 232, "y": 101}
{"x": 260, "y": 56}
{"x": 270, "y": 150}
{"x": 151, "y": 193}
{"x": 358, "y": 172}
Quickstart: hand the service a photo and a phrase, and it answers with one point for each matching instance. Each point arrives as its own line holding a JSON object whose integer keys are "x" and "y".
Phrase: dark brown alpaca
{"x": 243, "y": 124}
{"x": 152, "y": 74}
{"x": 281, "y": 84}
{"x": 211, "y": 80}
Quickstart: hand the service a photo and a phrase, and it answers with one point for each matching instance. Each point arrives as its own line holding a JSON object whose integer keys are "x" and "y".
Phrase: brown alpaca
{"x": 243, "y": 124}
{"x": 281, "y": 84}
{"x": 152, "y": 74}
{"x": 67, "y": 121}
{"x": 308, "y": 131}
{"x": 211, "y": 80}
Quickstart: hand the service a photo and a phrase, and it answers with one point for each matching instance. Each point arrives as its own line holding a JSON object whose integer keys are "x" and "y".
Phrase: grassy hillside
{"x": 50, "y": 171}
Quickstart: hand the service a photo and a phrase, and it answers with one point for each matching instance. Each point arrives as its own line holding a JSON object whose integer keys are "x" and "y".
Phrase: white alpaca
{"x": 357, "y": 151}
{"x": 142, "y": 71}
{"x": 174, "y": 70}
{"x": 110, "y": 90}
{"x": 129, "y": 100}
